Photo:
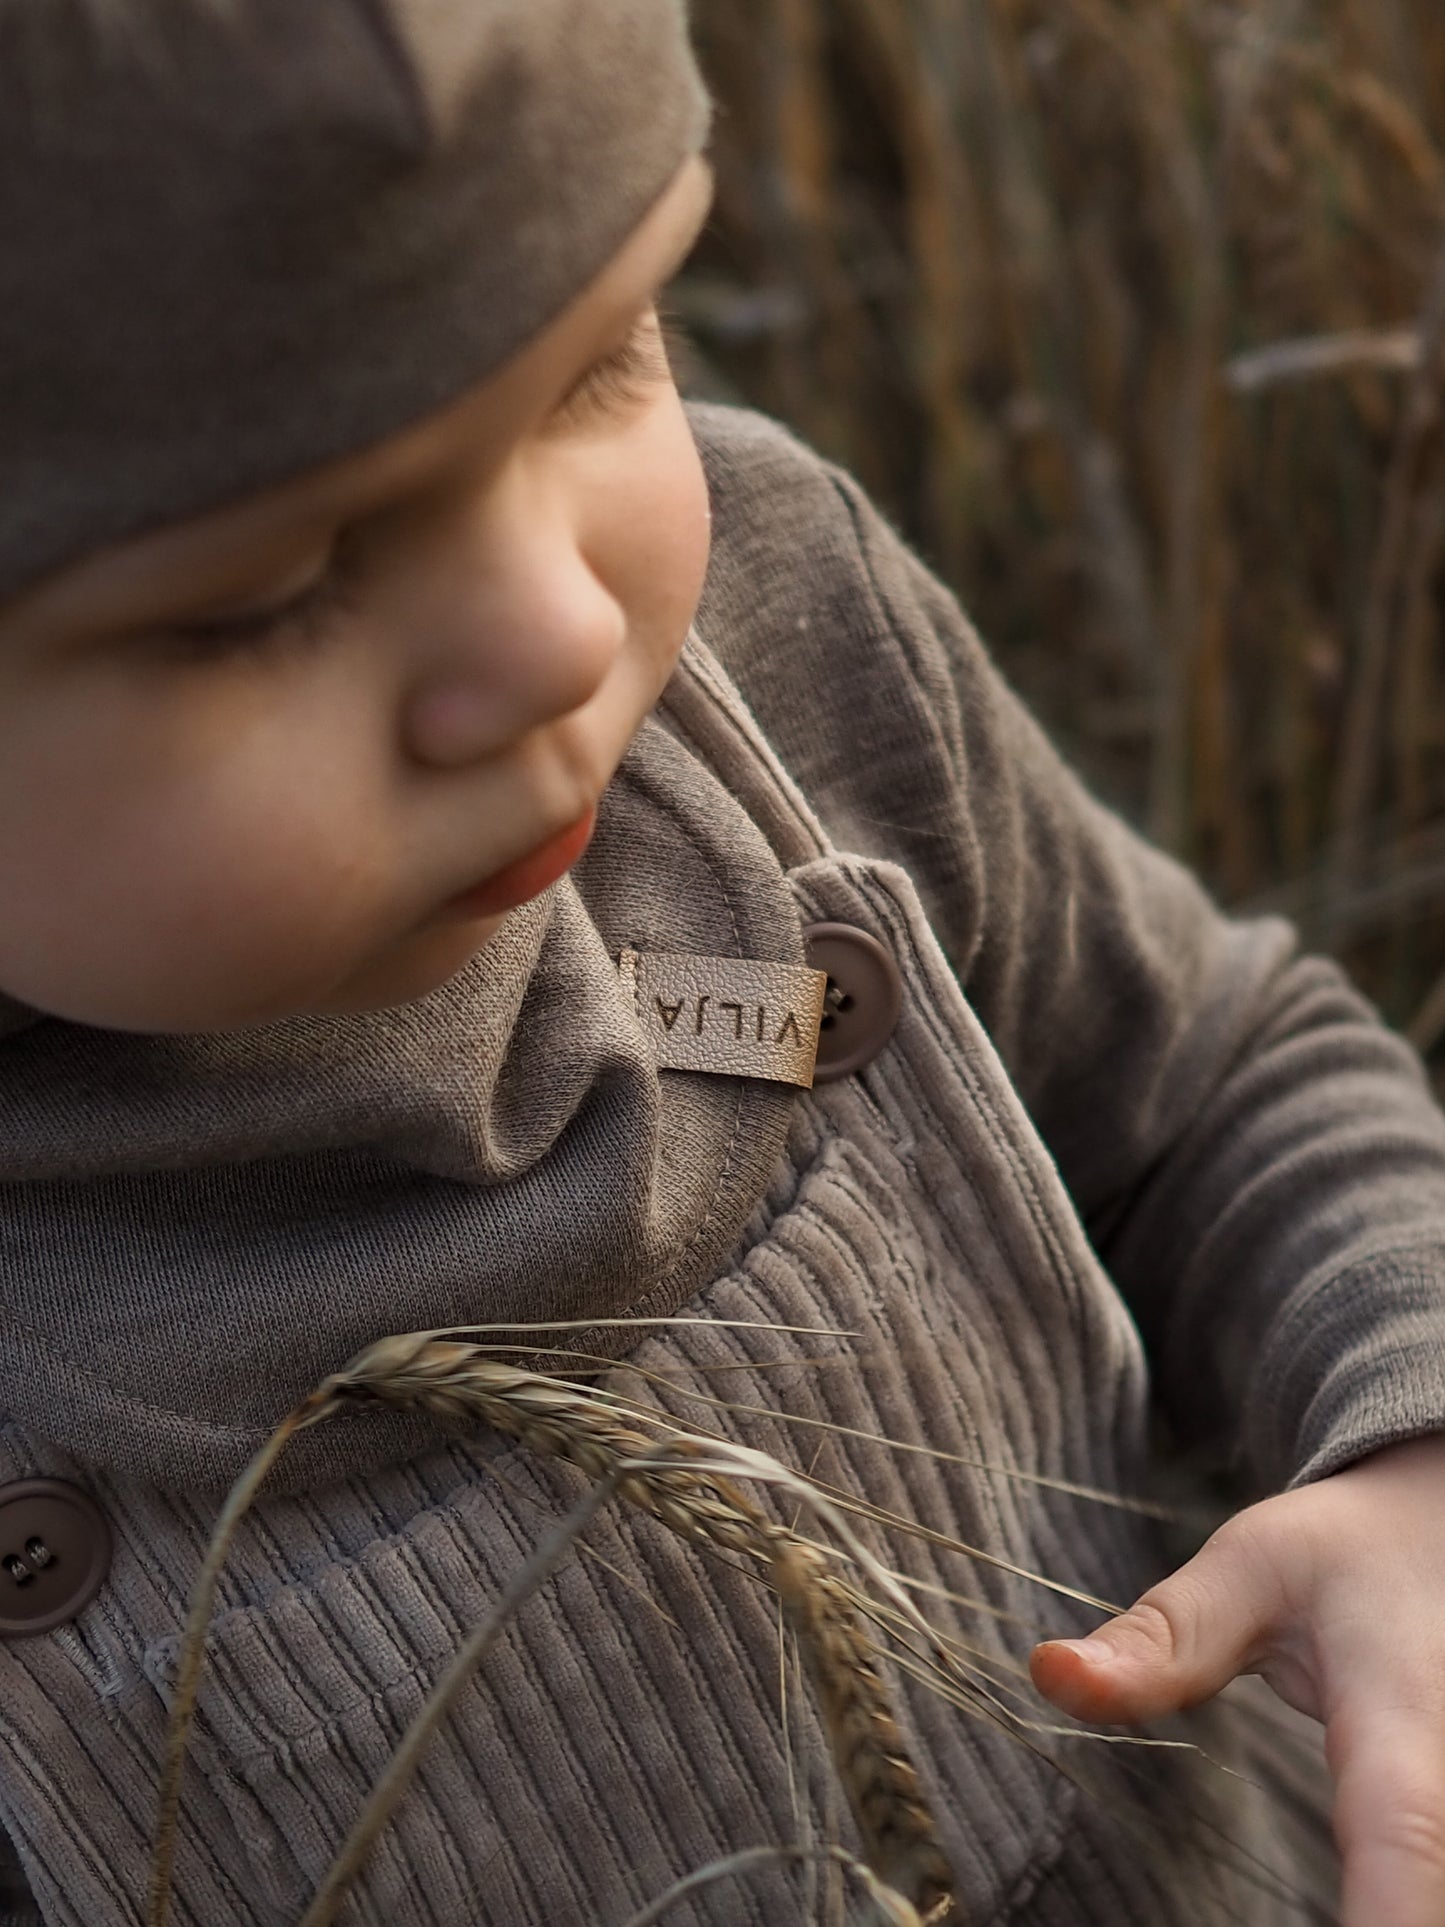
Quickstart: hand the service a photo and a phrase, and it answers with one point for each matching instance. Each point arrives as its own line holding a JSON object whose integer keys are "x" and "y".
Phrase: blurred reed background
{"x": 1131, "y": 313}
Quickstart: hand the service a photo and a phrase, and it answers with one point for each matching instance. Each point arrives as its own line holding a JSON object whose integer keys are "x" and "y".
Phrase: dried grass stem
{"x": 689, "y": 1485}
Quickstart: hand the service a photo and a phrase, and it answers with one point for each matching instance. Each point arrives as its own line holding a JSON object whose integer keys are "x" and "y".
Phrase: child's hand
{"x": 1335, "y": 1594}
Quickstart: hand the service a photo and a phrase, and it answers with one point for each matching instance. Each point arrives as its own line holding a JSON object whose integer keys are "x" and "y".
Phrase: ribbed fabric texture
{"x": 1258, "y": 1160}
{"x": 1092, "y": 1066}
{"x": 628, "y": 1732}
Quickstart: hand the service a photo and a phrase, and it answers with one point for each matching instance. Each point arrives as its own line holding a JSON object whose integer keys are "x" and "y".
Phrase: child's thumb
{"x": 1182, "y": 1643}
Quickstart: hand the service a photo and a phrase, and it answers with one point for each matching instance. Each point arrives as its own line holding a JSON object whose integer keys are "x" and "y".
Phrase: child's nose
{"x": 513, "y": 647}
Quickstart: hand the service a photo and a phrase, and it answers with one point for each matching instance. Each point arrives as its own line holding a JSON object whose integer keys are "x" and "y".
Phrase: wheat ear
{"x": 456, "y": 1384}
{"x": 684, "y": 1482}
{"x": 882, "y": 1786}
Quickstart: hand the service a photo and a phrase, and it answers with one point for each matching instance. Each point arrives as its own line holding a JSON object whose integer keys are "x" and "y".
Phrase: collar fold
{"x": 195, "y": 1230}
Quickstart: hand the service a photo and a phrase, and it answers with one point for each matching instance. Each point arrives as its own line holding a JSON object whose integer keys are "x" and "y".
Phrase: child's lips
{"x": 529, "y": 876}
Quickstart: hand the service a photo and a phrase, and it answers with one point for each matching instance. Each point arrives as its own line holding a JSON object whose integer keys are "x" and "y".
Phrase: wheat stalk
{"x": 892, "y": 1909}
{"x": 882, "y": 1786}
{"x": 456, "y": 1385}
{"x": 685, "y": 1482}
{"x": 689, "y": 1481}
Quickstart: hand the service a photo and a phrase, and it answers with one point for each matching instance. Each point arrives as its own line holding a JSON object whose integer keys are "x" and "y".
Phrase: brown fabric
{"x": 1093, "y": 1068}
{"x": 504, "y": 1148}
{"x": 608, "y": 1748}
{"x": 242, "y": 237}
{"x": 1257, "y": 1159}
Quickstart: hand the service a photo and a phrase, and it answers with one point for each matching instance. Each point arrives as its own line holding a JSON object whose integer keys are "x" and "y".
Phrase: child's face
{"x": 210, "y": 818}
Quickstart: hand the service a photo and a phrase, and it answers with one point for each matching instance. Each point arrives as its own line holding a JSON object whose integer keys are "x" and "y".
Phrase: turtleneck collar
{"x": 194, "y": 1230}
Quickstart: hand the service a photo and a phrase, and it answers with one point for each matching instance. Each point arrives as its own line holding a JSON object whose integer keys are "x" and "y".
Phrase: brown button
{"x": 55, "y": 1550}
{"x": 863, "y": 1000}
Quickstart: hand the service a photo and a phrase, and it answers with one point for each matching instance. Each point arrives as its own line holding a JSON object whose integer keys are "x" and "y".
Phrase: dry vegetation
{"x": 1132, "y": 314}
{"x": 689, "y": 1482}
{"x": 849, "y": 1619}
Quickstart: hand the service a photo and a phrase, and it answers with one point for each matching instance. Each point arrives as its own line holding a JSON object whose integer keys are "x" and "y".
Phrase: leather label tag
{"x": 728, "y": 1015}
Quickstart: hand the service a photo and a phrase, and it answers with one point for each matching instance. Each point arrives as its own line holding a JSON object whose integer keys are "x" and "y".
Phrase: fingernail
{"x": 1094, "y": 1648}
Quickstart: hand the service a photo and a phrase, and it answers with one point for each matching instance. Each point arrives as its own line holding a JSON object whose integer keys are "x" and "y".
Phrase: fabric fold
{"x": 503, "y": 1150}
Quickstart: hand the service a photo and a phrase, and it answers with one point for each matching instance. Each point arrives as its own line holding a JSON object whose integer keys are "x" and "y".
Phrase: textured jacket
{"x": 1118, "y": 1147}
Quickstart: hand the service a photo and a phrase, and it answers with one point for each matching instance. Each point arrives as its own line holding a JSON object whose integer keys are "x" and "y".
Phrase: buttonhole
{"x": 17, "y": 1569}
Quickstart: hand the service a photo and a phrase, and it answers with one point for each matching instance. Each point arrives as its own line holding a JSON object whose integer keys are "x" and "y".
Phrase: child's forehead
{"x": 276, "y": 233}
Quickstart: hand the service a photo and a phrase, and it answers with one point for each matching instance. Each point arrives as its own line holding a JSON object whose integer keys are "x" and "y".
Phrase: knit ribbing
{"x": 627, "y": 1729}
{"x": 1091, "y": 1061}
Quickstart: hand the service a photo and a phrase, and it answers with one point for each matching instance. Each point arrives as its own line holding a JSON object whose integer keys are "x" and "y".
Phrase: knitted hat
{"x": 242, "y": 237}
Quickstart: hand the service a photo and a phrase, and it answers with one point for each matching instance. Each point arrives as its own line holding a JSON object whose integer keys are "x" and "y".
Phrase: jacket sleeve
{"x": 1257, "y": 1159}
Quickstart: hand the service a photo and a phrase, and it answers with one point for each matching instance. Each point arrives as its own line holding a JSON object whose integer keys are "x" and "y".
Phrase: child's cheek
{"x": 650, "y": 533}
{"x": 186, "y": 878}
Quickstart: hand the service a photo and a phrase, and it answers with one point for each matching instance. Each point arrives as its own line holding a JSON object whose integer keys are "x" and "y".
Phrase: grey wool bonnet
{"x": 239, "y": 238}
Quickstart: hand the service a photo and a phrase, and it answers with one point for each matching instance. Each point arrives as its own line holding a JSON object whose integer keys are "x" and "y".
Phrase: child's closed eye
{"x": 628, "y": 373}
{"x": 302, "y": 617}
{"x": 617, "y": 382}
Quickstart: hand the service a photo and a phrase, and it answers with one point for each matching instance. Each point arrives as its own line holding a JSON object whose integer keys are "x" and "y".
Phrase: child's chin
{"x": 408, "y": 972}
{"x": 428, "y": 961}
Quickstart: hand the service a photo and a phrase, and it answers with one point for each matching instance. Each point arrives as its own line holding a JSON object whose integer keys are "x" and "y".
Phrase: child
{"x": 352, "y": 735}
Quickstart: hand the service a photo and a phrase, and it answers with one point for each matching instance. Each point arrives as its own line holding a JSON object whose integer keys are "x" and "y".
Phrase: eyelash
{"x": 644, "y": 359}
{"x": 291, "y": 624}
{"x": 629, "y": 371}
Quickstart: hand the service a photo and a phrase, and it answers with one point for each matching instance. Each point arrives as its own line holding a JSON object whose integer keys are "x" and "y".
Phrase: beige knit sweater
{"x": 1119, "y": 1144}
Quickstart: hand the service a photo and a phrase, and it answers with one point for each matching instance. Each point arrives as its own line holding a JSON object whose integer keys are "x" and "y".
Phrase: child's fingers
{"x": 1390, "y": 1811}
{"x": 1180, "y": 1644}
